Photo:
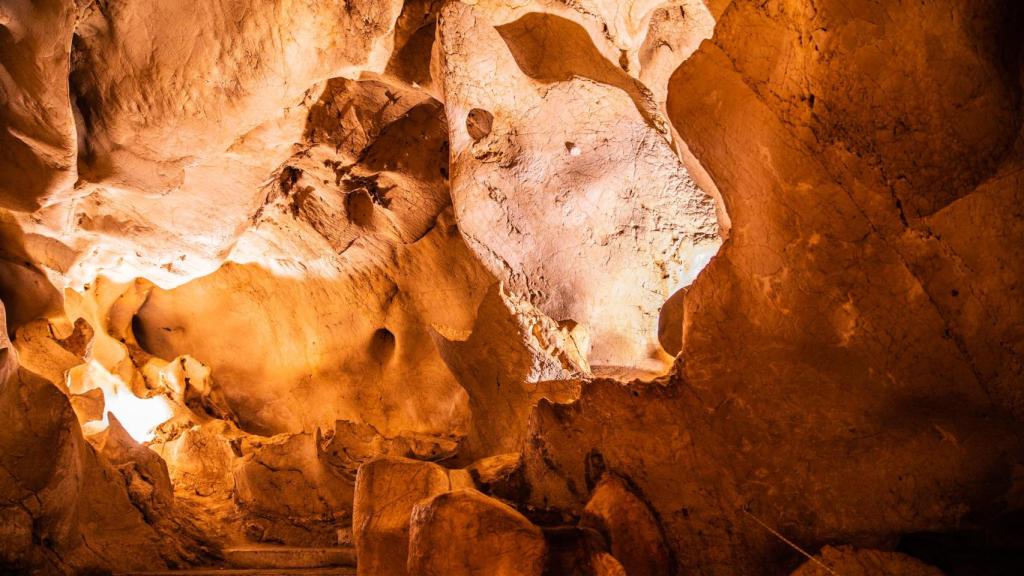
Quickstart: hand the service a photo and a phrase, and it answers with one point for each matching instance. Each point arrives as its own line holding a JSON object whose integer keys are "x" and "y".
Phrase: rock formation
{"x": 601, "y": 287}
{"x": 493, "y": 538}
{"x": 386, "y": 492}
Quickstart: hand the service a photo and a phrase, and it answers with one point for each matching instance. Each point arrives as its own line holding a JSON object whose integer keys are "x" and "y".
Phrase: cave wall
{"x": 750, "y": 267}
{"x": 834, "y": 383}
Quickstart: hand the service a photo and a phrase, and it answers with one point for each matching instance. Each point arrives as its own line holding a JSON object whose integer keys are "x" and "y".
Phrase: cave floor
{"x": 249, "y": 572}
{"x": 274, "y": 561}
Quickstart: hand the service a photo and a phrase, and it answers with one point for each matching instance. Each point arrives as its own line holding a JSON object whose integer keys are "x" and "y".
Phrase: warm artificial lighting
{"x": 138, "y": 416}
{"x": 384, "y": 287}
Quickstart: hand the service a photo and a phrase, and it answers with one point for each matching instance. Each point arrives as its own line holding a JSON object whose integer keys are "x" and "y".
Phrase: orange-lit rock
{"x": 464, "y": 533}
{"x": 846, "y": 560}
{"x": 38, "y": 139}
{"x": 633, "y": 534}
{"x": 595, "y": 287}
{"x": 173, "y": 101}
{"x": 600, "y": 248}
{"x": 386, "y": 492}
{"x": 64, "y": 507}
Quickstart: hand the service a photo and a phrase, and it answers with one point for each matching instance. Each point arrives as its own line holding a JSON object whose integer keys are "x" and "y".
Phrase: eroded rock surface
{"x": 657, "y": 287}
{"x": 630, "y": 528}
{"x": 600, "y": 248}
{"x": 464, "y": 533}
{"x": 846, "y": 560}
{"x": 66, "y": 508}
{"x": 386, "y": 492}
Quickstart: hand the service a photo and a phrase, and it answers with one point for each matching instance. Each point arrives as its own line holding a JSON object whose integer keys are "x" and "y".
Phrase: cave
{"x": 531, "y": 288}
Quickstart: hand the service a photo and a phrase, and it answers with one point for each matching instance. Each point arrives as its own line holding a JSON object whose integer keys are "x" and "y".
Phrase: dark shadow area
{"x": 997, "y": 550}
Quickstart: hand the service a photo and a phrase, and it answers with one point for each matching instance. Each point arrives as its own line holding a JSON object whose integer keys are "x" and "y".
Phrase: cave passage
{"x": 438, "y": 287}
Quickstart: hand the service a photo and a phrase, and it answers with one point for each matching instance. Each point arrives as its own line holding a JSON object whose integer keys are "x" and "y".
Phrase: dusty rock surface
{"x": 386, "y": 492}
{"x": 846, "y": 560}
{"x": 464, "y": 533}
{"x": 522, "y": 182}
{"x": 629, "y": 527}
{"x": 675, "y": 287}
{"x": 65, "y": 508}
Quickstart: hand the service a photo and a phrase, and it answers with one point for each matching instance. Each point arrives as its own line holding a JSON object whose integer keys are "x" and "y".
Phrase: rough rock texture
{"x": 64, "y": 507}
{"x": 846, "y": 560}
{"x": 386, "y": 492}
{"x": 464, "y": 533}
{"x": 533, "y": 176}
{"x": 825, "y": 342}
{"x": 689, "y": 285}
{"x": 37, "y": 145}
{"x": 629, "y": 527}
{"x": 715, "y": 516}
{"x": 283, "y": 478}
{"x": 172, "y": 100}
{"x": 149, "y": 483}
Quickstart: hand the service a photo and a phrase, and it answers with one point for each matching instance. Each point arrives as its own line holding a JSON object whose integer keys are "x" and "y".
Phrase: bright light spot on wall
{"x": 138, "y": 416}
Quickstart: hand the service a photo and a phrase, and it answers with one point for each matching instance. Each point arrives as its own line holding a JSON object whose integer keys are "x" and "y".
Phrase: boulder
{"x": 386, "y": 492}
{"x": 352, "y": 444}
{"x": 465, "y": 533}
{"x": 501, "y": 476}
{"x": 850, "y": 561}
{"x": 288, "y": 493}
{"x": 628, "y": 525}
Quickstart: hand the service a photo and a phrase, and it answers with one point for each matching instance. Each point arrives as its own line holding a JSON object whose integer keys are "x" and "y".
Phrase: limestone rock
{"x": 386, "y": 492}
{"x": 64, "y": 508}
{"x": 283, "y": 485}
{"x": 631, "y": 529}
{"x": 170, "y": 100}
{"x": 341, "y": 340}
{"x": 42, "y": 352}
{"x": 843, "y": 99}
{"x": 679, "y": 281}
{"x": 38, "y": 139}
{"x": 90, "y": 406}
{"x": 701, "y": 511}
{"x": 533, "y": 203}
{"x": 514, "y": 356}
{"x": 853, "y": 562}
{"x": 464, "y": 533}
{"x": 501, "y": 476}
{"x": 145, "y": 473}
{"x": 201, "y": 458}
{"x": 675, "y": 31}
{"x": 350, "y": 445}
{"x": 133, "y": 107}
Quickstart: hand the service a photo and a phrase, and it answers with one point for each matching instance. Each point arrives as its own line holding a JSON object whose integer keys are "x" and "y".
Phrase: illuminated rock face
{"x": 602, "y": 249}
{"x": 494, "y": 538}
{"x": 591, "y": 287}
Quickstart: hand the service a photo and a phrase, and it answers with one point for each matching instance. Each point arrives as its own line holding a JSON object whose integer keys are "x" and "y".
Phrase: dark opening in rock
{"x": 478, "y": 123}
{"x": 382, "y": 345}
{"x": 359, "y": 207}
